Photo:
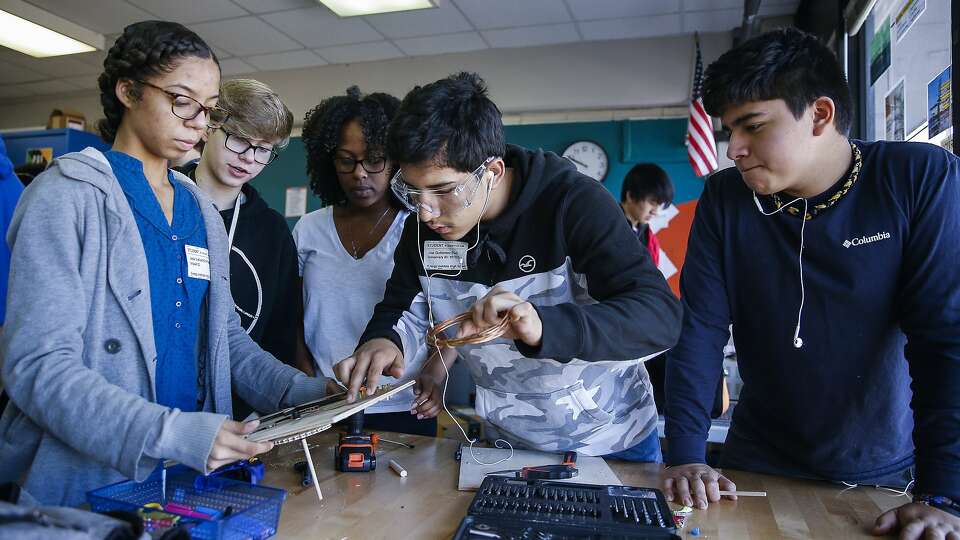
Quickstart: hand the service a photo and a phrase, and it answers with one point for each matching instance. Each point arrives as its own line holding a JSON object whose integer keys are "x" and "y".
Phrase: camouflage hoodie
{"x": 563, "y": 245}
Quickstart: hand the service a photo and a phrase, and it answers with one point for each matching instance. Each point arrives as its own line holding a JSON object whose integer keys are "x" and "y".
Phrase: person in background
{"x": 263, "y": 257}
{"x": 646, "y": 189}
{"x": 121, "y": 340}
{"x": 346, "y": 248}
{"x": 835, "y": 261}
{"x": 10, "y": 190}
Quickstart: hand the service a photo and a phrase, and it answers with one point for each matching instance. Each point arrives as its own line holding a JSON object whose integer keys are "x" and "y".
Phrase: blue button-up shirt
{"x": 176, "y": 300}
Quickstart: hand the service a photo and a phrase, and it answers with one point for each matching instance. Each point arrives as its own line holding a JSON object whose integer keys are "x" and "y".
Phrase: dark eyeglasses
{"x": 187, "y": 108}
{"x": 346, "y": 165}
{"x": 239, "y": 145}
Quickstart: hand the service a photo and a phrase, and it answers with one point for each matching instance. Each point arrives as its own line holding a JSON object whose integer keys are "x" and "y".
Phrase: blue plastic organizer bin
{"x": 254, "y": 514}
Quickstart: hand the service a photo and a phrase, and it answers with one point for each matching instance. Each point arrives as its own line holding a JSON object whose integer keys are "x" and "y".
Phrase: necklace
{"x": 832, "y": 200}
{"x": 353, "y": 245}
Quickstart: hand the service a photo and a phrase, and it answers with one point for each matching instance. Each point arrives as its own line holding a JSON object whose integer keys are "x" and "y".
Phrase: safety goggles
{"x": 445, "y": 200}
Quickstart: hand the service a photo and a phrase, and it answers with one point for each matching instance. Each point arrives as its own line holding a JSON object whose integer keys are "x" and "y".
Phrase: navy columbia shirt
{"x": 176, "y": 299}
{"x": 876, "y": 386}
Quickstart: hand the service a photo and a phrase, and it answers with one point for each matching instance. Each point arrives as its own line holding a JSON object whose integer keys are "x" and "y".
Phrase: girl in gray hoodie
{"x": 121, "y": 342}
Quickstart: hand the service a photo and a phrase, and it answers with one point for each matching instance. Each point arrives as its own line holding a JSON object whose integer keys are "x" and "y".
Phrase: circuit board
{"x": 295, "y": 423}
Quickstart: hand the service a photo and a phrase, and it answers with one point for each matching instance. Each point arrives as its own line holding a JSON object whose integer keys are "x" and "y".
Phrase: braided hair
{"x": 145, "y": 49}
{"x": 322, "y": 128}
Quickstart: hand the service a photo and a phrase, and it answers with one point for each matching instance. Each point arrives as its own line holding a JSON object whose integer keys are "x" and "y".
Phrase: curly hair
{"x": 322, "y": 127}
{"x": 145, "y": 49}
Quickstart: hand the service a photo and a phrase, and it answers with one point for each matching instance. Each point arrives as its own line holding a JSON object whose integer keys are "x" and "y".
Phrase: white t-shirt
{"x": 340, "y": 292}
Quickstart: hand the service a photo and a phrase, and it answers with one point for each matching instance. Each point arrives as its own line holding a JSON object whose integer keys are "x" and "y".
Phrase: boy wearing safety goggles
{"x": 517, "y": 238}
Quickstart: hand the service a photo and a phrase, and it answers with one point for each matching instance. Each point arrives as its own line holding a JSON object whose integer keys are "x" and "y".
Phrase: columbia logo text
{"x": 853, "y": 242}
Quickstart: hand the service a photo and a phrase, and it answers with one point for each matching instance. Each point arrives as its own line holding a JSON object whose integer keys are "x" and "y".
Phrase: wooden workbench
{"x": 426, "y": 504}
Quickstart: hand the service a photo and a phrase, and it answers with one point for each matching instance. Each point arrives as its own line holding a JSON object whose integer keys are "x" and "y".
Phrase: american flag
{"x": 701, "y": 147}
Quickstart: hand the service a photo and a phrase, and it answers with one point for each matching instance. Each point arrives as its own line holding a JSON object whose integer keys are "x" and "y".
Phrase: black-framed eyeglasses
{"x": 239, "y": 145}
{"x": 372, "y": 164}
{"x": 187, "y": 108}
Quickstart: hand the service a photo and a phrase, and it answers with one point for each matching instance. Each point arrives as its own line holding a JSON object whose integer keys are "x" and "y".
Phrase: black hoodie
{"x": 263, "y": 251}
{"x": 563, "y": 245}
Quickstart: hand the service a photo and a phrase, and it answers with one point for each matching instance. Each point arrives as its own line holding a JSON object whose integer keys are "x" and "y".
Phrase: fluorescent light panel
{"x": 36, "y": 32}
{"x": 353, "y": 8}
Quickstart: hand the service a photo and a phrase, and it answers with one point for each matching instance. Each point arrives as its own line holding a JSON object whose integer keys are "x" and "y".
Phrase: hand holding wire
{"x": 428, "y": 389}
{"x": 498, "y": 306}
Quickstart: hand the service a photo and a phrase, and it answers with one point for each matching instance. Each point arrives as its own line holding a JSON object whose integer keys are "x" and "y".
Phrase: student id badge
{"x": 198, "y": 262}
{"x": 444, "y": 255}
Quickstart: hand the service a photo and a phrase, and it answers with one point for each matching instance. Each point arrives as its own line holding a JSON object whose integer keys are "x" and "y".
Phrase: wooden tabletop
{"x": 426, "y": 504}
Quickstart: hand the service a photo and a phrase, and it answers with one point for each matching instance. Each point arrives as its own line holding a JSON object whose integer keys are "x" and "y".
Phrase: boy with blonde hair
{"x": 263, "y": 257}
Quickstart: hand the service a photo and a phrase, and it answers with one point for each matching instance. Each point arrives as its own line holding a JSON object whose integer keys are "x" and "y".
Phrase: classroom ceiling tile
{"x": 720, "y": 20}
{"x": 191, "y": 11}
{"x": 245, "y": 36}
{"x": 221, "y": 54}
{"x": 86, "y": 82}
{"x": 285, "y": 60}
{"x": 13, "y": 91}
{"x": 104, "y": 16}
{"x": 443, "y": 19}
{"x": 319, "y": 27}
{"x": 531, "y": 36}
{"x": 64, "y": 66}
{"x": 48, "y": 87}
{"x": 94, "y": 58}
{"x": 360, "y": 52}
{"x": 707, "y": 5}
{"x": 12, "y": 56}
{"x": 640, "y": 27}
{"x": 11, "y": 73}
{"x": 508, "y": 13}
{"x": 235, "y": 66}
{"x": 448, "y": 43}
{"x": 268, "y": 6}
{"x": 585, "y": 10}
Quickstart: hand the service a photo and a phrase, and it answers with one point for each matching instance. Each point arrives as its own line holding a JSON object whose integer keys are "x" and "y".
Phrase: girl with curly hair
{"x": 346, "y": 248}
{"x": 121, "y": 341}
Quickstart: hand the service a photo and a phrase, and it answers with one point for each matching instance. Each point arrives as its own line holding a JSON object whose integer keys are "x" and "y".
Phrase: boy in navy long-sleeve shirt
{"x": 835, "y": 260}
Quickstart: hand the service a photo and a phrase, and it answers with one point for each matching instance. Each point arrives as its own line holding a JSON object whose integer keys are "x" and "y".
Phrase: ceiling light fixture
{"x": 41, "y": 34}
{"x": 353, "y": 8}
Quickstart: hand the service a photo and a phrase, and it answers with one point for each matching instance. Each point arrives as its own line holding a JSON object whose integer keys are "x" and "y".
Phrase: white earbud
{"x": 797, "y": 341}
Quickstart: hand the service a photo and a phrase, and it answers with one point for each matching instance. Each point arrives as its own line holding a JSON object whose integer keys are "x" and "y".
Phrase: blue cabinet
{"x": 61, "y": 141}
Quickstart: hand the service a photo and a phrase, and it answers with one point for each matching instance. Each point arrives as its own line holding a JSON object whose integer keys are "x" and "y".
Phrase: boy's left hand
{"x": 916, "y": 521}
{"x": 525, "y": 323}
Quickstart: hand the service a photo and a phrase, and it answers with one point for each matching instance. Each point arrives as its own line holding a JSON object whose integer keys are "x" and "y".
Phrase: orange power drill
{"x": 356, "y": 451}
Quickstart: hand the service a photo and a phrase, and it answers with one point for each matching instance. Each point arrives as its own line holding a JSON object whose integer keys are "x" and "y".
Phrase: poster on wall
{"x": 880, "y": 51}
{"x": 906, "y": 14}
{"x": 295, "y": 202}
{"x": 894, "y": 112}
{"x": 938, "y": 104}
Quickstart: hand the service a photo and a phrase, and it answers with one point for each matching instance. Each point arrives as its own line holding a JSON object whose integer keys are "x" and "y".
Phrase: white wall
{"x": 626, "y": 74}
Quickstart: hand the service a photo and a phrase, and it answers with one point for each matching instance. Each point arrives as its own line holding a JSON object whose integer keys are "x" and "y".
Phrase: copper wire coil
{"x": 435, "y": 335}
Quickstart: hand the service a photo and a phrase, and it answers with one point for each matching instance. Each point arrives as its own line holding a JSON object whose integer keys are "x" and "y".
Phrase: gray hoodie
{"x": 78, "y": 354}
